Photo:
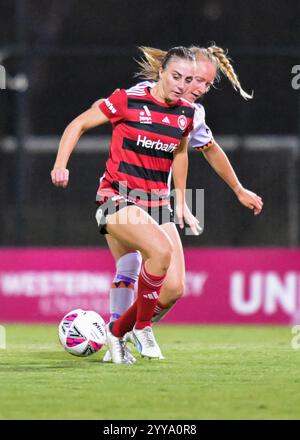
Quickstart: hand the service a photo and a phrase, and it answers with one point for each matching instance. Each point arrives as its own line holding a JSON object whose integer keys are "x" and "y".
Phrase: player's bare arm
{"x": 219, "y": 161}
{"x": 89, "y": 119}
{"x": 97, "y": 103}
{"x": 180, "y": 169}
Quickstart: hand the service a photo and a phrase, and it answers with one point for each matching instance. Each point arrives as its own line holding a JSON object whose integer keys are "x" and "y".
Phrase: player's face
{"x": 204, "y": 77}
{"x": 176, "y": 78}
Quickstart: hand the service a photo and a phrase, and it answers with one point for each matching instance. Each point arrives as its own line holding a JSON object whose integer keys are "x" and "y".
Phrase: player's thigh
{"x": 116, "y": 248}
{"x": 176, "y": 272}
{"x": 135, "y": 229}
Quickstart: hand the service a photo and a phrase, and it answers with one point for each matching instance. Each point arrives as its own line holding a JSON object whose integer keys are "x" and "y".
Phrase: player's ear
{"x": 160, "y": 72}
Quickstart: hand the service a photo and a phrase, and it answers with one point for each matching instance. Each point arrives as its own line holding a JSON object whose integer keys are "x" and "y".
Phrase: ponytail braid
{"x": 227, "y": 69}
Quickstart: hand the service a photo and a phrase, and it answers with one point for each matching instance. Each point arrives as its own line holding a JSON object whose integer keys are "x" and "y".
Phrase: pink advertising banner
{"x": 229, "y": 286}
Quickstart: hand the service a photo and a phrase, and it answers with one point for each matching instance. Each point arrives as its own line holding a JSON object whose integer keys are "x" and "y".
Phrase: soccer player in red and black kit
{"x": 150, "y": 129}
{"x": 211, "y": 62}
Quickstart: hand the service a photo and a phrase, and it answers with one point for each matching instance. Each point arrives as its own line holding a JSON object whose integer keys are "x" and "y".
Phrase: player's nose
{"x": 182, "y": 85}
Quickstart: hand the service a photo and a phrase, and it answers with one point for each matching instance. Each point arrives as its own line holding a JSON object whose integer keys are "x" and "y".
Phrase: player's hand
{"x": 60, "y": 177}
{"x": 186, "y": 217}
{"x": 250, "y": 200}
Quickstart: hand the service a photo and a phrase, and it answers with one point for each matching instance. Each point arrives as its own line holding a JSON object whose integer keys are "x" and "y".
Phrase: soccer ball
{"x": 81, "y": 332}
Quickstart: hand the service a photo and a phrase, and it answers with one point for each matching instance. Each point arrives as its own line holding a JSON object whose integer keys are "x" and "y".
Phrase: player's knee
{"x": 164, "y": 256}
{"x": 175, "y": 289}
{"x": 163, "y": 253}
{"x": 160, "y": 251}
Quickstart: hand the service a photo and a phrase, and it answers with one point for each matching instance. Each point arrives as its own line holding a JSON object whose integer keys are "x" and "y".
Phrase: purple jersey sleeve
{"x": 201, "y": 136}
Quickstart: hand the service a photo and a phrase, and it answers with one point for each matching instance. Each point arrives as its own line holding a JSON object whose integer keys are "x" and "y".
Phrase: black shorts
{"x": 110, "y": 205}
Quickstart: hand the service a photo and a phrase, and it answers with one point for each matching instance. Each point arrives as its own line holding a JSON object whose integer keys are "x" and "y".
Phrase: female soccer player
{"x": 150, "y": 129}
{"x": 211, "y": 62}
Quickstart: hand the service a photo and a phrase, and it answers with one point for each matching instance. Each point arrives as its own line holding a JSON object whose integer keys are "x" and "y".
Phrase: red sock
{"x": 148, "y": 292}
{"x": 126, "y": 322}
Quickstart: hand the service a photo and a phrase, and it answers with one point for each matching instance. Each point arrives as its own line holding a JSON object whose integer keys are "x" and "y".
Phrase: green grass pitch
{"x": 210, "y": 372}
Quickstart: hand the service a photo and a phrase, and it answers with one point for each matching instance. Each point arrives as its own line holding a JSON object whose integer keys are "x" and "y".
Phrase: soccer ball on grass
{"x": 81, "y": 332}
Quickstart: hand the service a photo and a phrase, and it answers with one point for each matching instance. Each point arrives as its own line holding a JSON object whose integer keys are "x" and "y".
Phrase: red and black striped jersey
{"x": 145, "y": 134}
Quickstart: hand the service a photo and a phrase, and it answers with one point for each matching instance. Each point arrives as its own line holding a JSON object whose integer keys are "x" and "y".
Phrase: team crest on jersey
{"x": 182, "y": 122}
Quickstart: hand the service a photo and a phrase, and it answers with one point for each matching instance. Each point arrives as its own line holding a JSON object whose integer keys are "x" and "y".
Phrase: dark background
{"x": 73, "y": 52}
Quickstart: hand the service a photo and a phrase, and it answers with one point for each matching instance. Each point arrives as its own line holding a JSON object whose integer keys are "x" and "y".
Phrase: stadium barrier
{"x": 228, "y": 286}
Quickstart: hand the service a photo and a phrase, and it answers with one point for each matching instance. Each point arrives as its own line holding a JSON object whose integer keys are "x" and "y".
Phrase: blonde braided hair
{"x": 154, "y": 58}
{"x": 219, "y": 58}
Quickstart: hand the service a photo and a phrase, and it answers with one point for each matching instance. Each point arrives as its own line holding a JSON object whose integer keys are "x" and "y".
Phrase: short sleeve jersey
{"x": 201, "y": 136}
{"x": 145, "y": 135}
